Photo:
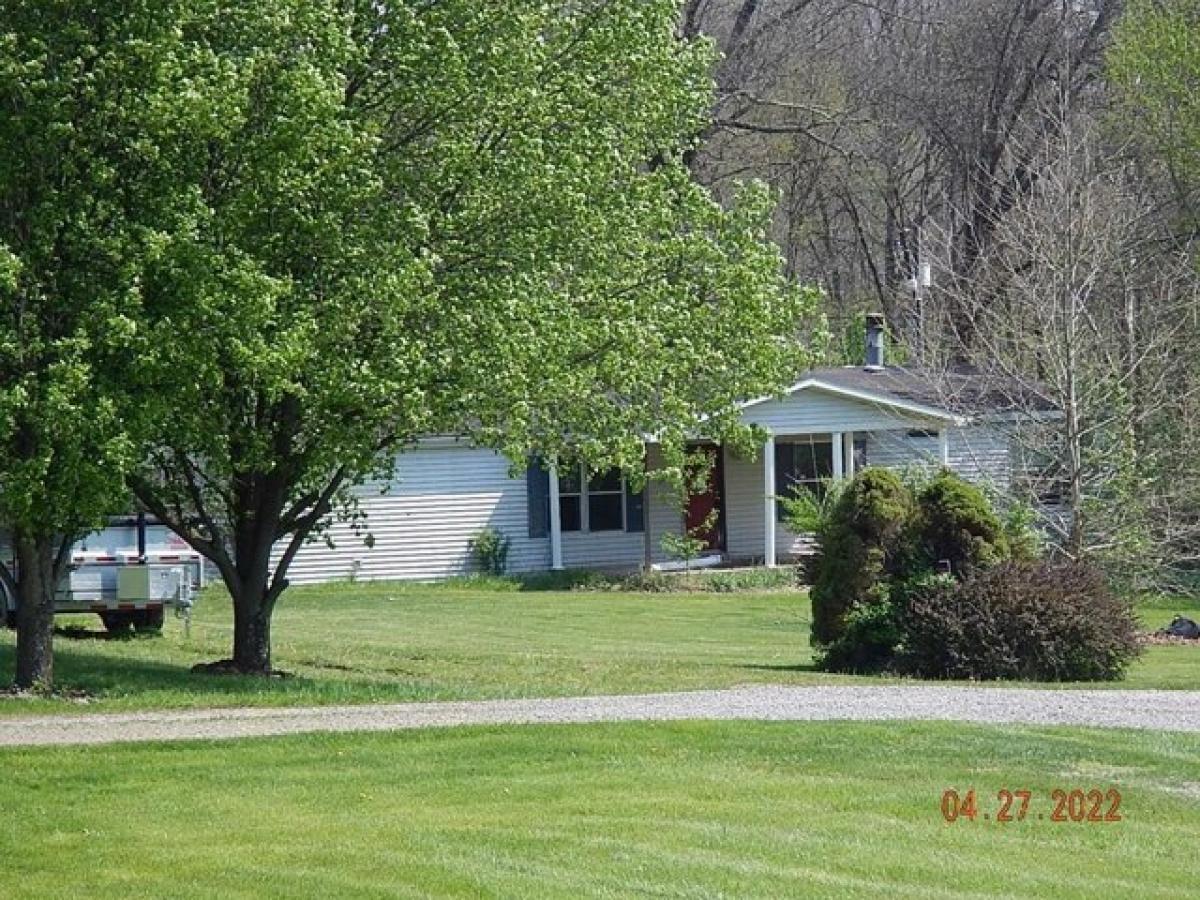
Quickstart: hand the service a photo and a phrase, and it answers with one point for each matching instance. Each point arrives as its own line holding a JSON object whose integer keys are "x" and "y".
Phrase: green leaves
{"x": 452, "y": 218}
{"x": 74, "y": 170}
{"x": 1155, "y": 64}
{"x": 274, "y": 242}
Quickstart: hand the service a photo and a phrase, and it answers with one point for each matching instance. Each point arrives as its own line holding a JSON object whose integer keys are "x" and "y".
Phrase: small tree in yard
{"x": 79, "y": 185}
{"x": 1154, "y": 63}
{"x": 413, "y": 218}
{"x": 690, "y": 543}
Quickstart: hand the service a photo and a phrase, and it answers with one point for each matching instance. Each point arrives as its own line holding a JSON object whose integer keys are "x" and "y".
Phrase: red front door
{"x": 705, "y": 517}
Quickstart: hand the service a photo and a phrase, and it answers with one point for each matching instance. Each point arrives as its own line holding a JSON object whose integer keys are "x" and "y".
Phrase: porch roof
{"x": 882, "y": 389}
{"x": 957, "y": 394}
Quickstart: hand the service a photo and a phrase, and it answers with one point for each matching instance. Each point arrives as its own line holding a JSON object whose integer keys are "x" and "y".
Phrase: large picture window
{"x": 802, "y": 465}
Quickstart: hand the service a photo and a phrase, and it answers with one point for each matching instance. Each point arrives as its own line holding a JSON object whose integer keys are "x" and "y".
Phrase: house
{"x": 826, "y": 425}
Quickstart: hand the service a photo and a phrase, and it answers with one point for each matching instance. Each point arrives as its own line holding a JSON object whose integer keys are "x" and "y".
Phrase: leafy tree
{"x": 1155, "y": 64}
{"x": 78, "y": 187}
{"x": 419, "y": 218}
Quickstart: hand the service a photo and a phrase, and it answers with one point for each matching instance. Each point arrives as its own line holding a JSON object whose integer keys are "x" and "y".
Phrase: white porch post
{"x": 848, "y": 465}
{"x": 769, "y": 504}
{"x": 647, "y": 538}
{"x": 944, "y": 447}
{"x": 839, "y": 456}
{"x": 556, "y": 558}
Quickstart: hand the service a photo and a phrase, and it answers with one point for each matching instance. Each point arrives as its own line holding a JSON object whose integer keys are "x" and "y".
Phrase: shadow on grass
{"x": 102, "y": 675}
{"x": 791, "y": 667}
{"x": 80, "y": 633}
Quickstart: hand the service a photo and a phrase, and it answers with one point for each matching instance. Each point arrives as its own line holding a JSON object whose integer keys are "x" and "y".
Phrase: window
{"x": 570, "y": 499}
{"x": 802, "y": 465}
{"x": 603, "y": 501}
{"x": 606, "y": 501}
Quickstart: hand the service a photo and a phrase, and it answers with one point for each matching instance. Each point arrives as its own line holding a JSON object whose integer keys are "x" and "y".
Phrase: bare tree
{"x": 1083, "y": 306}
{"x": 878, "y": 119}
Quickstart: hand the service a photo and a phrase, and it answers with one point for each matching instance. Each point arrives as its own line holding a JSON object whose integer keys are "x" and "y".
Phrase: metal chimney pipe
{"x": 874, "y": 361}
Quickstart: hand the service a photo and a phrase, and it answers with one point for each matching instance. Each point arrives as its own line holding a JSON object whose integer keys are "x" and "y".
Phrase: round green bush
{"x": 955, "y": 522}
{"x": 1035, "y": 621}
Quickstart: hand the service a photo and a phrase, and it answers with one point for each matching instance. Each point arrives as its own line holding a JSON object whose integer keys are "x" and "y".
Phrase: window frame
{"x": 584, "y": 494}
{"x": 816, "y": 485}
{"x": 579, "y": 495}
{"x": 619, "y": 492}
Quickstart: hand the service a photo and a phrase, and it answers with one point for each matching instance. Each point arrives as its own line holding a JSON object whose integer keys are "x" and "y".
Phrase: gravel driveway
{"x": 1160, "y": 710}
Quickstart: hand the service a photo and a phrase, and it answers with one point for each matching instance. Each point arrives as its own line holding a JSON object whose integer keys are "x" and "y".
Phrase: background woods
{"x": 1014, "y": 185}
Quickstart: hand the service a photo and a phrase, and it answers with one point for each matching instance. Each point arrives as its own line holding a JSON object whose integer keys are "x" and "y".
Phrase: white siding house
{"x": 446, "y": 491}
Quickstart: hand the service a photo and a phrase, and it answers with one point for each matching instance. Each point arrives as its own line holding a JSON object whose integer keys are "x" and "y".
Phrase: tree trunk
{"x": 35, "y": 611}
{"x": 252, "y": 631}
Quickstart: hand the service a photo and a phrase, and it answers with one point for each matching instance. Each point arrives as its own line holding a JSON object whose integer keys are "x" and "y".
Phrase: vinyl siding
{"x": 745, "y": 496}
{"x": 745, "y": 512}
{"x": 982, "y": 454}
{"x": 442, "y": 495}
{"x": 423, "y": 519}
{"x": 814, "y": 411}
{"x": 979, "y": 453}
{"x": 665, "y": 515}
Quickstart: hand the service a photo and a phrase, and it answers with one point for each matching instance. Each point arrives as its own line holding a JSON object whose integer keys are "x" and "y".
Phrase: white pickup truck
{"x": 129, "y": 574}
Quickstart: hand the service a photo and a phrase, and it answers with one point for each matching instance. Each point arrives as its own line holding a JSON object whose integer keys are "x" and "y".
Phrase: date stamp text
{"x": 1062, "y": 805}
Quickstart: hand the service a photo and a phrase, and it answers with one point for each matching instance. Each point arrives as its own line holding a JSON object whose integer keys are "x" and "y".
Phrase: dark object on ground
{"x": 1183, "y": 628}
{"x": 1158, "y": 638}
{"x": 229, "y": 667}
{"x": 1032, "y": 621}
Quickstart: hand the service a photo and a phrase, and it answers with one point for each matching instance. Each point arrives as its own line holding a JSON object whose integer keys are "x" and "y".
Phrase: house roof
{"x": 955, "y": 394}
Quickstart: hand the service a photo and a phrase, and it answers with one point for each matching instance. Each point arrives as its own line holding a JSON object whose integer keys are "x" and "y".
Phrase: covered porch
{"x": 825, "y": 426}
{"x": 742, "y": 504}
{"x": 793, "y": 462}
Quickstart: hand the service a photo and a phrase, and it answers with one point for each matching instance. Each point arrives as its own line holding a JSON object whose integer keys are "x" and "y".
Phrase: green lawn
{"x": 387, "y": 642}
{"x": 671, "y": 810}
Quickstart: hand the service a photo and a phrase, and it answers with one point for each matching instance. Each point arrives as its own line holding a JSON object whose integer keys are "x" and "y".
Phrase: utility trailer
{"x": 128, "y": 573}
